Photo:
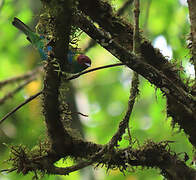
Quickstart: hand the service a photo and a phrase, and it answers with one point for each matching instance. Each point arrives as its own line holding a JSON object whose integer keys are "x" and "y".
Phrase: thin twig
{"x": 20, "y": 87}
{"x": 136, "y": 35}
{"x": 134, "y": 91}
{"x": 8, "y": 170}
{"x": 134, "y": 87}
{"x": 19, "y": 78}
{"x": 19, "y": 106}
{"x": 125, "y": 122}
{"x": 94, "y": 69}
{"x": 136, "y": 49}
{"x": 77, "y": 113}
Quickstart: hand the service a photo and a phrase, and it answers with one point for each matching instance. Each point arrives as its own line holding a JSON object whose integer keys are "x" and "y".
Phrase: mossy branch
{"x": 180, "y": 97}
{"x": 59, "y": 25}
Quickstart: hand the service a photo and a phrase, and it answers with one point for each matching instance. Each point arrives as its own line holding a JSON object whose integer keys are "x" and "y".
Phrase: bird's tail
{"x": 21, "y": 26}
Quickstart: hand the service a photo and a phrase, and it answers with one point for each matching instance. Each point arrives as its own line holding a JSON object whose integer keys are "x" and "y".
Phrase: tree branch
{"x": 136, "y": 63}
{"x": 122, "y": 33}
{"x": 134, "y": 85}
{"x": 117, "y": 38}
{"x": 120, "y": 12}
{"x": 13, "y": 92}
{"x": 168, "y": 87}
{"x": 94, "y": 69}
{"x": 59, "y": 27}
{"x": 19, "y": 106}
{"x": 192, "y": 16}
{"x": 151, "y": 63}
{"x": 20, "y": 77}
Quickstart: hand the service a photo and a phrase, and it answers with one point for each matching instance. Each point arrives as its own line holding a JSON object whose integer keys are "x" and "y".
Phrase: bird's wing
{"x": 21, "y": 26}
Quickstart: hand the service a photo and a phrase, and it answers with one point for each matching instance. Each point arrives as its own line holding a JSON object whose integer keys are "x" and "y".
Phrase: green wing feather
{"x": 78, "y": 62}
{"x": 31, "y": 36}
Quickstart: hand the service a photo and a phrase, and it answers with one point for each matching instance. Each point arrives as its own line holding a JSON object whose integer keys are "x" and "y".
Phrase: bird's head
{"x": 84, "y": 60}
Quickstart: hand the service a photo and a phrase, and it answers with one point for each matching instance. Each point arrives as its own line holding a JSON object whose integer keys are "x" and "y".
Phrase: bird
{"x": 77, "y": 62}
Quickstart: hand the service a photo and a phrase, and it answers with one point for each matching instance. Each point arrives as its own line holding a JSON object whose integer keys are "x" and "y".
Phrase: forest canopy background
{"x": 101, "y": 94}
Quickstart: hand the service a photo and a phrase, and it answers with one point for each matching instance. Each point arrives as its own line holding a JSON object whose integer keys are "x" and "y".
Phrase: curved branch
{"x": 20, "y": 77}
{"x": 151, "y": 154}
{"x": 19, "y": 106}
{"x": 59, "y": 27}
{"x": 122, "y": 32}
{"x": 94, "y": 69}
{"x": 13, "y": 92}
{"x": 171, "y": 89}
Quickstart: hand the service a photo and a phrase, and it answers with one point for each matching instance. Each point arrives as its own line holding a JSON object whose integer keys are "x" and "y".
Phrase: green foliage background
{"x": 102, "y": 95}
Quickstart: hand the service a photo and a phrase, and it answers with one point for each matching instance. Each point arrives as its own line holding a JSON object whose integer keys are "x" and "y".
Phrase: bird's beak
{"x": 87, "y": 64}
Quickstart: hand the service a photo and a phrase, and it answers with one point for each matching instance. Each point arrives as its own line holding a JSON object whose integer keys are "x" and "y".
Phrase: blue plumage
{"x": 77, "y": 62}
